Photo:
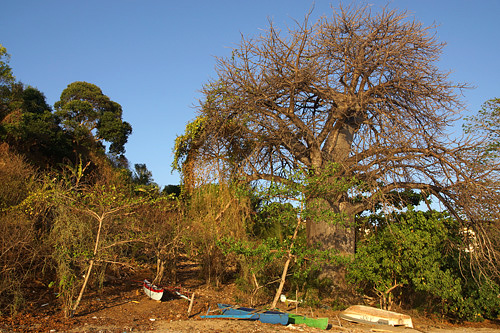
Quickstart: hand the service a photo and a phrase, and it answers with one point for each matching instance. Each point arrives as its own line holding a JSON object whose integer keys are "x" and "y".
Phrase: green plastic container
{"x": 321, "y": 323}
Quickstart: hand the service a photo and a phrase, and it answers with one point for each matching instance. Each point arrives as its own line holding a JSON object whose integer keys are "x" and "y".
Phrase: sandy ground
{"x": 123, "y": 307}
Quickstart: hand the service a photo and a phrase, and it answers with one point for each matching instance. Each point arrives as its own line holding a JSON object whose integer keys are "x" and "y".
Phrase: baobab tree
{"x": 357, "y": 101}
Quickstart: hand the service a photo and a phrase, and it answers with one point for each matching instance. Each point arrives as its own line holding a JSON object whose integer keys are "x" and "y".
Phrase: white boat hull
{"x": 152, "y": 291}
{"x": 366, "y": 314}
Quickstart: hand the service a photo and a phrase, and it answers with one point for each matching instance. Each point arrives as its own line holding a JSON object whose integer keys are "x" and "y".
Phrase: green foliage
{"x": 326, "y": 182}
{"x": 419, "y": 253}
{"x": 263, "y": 260}
{"x": 312, "y": 190}
{"x": 89, "y": 223}
{"x": 258, "y": 256}
{"x": 31, "y": 128}
{"x": 172, "y": 190}
{"x": 187, "y": 142}
{"x": 275, "y": 220}
{"x": 72, "y": 218}
{"x": 142, "y": 179}
{"x": 92, "y": 117}
{"x": 279, "y": 205}
{"x": 26, "y": 120}
{"x": 6, "y": 76}
{"x": 53, "y": 226}
{"x": 142, "y": 176}
{"x": 71, "y": 238}
{"x": 213, "y": 212}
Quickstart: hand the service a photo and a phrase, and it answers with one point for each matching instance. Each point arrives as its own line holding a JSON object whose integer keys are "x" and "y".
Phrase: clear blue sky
{"x": 153, "y": 56}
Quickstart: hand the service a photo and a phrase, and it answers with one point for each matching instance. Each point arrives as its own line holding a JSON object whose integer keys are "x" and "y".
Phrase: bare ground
{"x": 123, "y": 307}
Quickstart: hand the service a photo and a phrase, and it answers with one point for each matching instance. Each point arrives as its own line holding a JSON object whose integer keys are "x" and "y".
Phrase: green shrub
{"x": 261, "y": 265}
{"x": 422, "y": 253}
{"x": 275, "y": 220}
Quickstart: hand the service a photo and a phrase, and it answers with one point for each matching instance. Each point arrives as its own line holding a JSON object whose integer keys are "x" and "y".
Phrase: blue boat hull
{"x": 269, "y": 317}
{"x": 227, "y": 316}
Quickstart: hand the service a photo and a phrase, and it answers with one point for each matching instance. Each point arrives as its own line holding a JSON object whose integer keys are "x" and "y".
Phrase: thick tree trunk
{"x": 331, "y": 233}
{"x": 331, "y": 227}
{"x": 331, "y": 236}
{"x": 337, "y": 233}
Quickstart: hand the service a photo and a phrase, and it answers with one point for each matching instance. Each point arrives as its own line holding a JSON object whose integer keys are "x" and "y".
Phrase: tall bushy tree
{"x": 27, "y": 123}
{"x": 481, "y": 199}
{"x": 141, "y": 175}
{"x": 92, "y": 117}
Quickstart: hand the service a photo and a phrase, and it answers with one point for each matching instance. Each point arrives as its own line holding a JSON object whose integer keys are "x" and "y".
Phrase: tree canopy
{"x": 356, "y": 97}
{"x": 85, "y": 121}
{"x": 30, "y": 127}
{"x": 92, "y": 117}
{"x": 6, "y": 76}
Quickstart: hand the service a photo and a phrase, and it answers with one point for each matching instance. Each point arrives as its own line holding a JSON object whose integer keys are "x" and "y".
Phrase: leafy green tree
{"x": 186, "y": 152}
{"x": 30, "y": 127}
{"x": 142, "y": 176}
{"x": 92, "y": 117}
{"x": 173, "y": 190}
{"x": 278, "y": 250}
{"x": 6, "y": 79}
{"x": 143, "y": 182}
{"x": 275, "y": 220}
{"x": 27, "y": 123}
{"x": 6, "y": 76}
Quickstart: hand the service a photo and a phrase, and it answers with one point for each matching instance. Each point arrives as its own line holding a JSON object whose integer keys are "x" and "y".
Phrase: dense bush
{"x": 421, "y": 259}
{"x": 68, "y": 229}
{"x": 261, "y": 263}
{"x": 158, "y": 228}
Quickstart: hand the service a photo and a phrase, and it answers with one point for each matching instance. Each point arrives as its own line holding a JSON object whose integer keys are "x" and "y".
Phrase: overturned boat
{"x": 369, "y": 315}
{"x": 237, "y": 312}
